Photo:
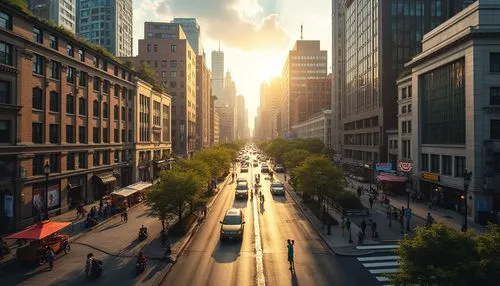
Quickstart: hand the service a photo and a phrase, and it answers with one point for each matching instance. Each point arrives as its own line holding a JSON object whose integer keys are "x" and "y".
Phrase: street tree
{"x": 218, "y": 159}
{"x": 488, "y": 248}
{"x": 198, "y": 166}
{"x": 175, "y": 192}
{"x": 295, "y": 157}
{"x": 437, "y": 255}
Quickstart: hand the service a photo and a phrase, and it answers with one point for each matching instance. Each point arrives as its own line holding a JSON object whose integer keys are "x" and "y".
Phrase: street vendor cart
{"x": 40, "y": 236}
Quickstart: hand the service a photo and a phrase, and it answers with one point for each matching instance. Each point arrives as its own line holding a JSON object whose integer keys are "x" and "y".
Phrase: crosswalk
{"x": 380, "y": 265}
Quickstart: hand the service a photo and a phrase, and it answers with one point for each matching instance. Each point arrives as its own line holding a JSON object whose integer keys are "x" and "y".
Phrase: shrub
{"x": 347, "y": 200}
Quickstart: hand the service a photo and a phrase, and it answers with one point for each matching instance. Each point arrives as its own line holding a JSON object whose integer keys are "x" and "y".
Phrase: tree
{"x": 176, "y": 190}
{"x": 438, "y": 255}
{"x": 488, "y": 248}
{"x": 295, "y": 157}
{"x": 313, "y": 145}
{"x": 198, "y": 166}
{"x": 218, "y": 159}
{"x": 147, "y": 74}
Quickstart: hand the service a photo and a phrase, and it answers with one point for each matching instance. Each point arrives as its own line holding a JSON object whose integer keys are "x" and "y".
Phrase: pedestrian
{"x": 205, "y": 211}
{"x": 101, "y": 204}
{"x": 401, "y": 220}
{"x": 359, "y": 192}
{"x": 348, "y": 227}
{"x": 363, "y": 227}
{"x": 374, "y": 229}
{"x": 371, "y": 202}
{"x": 163, "y": 238}
{"x": 389, "y": 216}
{"x": 232, "y": 177}
{"x": 342, "y": 226}
{"x": 125, "y": 215}
{"x": 289, "y": 247}
{"x": 285, "y": 176}
{"x": 50, "y": 257}
{"x": 429, "y": 220}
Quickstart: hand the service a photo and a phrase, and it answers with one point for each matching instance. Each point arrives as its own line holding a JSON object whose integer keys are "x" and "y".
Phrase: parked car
{"x": 279, "y": 168}
{"x": 233, "y": 225}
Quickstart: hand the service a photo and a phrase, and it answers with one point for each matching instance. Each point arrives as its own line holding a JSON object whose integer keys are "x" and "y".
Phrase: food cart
{"x": 39, "y": 236}
{"x": 130, "y": 195}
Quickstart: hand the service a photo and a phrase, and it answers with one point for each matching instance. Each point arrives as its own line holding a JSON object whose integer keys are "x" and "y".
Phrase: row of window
{"x": 442, "y": 164}
{"x": 150, "y": 48}
{"x": 37, "y": 134}
{"x": 406, "y": 127}
{"x": 406, "y": 109}
{"x": 406, "y": 92}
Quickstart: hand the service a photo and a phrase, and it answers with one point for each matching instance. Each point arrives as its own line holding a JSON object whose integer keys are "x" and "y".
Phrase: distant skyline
{"x": 255, "y": 35}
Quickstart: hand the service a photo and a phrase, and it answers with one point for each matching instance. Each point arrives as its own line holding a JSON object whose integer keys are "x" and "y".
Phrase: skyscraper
{"x": 203, "y": 102}
{"x": 106, "y": 23}
{"x": 192, "y": 31}
{"x": 374, "y": 57}
{"x": 218, "y": 75}
{"x": 338, "y": 69}
{"x": 61, "y": 12}
{"x": 240, "y": 118}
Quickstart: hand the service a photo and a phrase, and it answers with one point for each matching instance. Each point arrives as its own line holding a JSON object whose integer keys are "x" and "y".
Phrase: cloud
{"x": 239, "y": 24}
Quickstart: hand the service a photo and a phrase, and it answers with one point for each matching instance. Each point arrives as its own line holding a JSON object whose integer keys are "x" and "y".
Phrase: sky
{"x": 255, "y": 35}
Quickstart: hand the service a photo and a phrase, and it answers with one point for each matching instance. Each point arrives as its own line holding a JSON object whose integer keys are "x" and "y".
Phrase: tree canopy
{"x": 295, "y": 157}
{"x": 147, "y": 74}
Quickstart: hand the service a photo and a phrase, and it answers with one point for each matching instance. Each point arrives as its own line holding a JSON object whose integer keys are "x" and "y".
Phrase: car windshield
{"x": 241, "y": 186}
{"x": 277, "y": 185}
{"x": 232, "y": 220}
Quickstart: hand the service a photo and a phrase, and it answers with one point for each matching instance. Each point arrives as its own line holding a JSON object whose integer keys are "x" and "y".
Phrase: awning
{"x": 40, "y": 231}
{"x": 124, "y": 192}
{"x": 391, "y": 178}
{"x": 140, "y": 186}
{"x": 106, "y": 178}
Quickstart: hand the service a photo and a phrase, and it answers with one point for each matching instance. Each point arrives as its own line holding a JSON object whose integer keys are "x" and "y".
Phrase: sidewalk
{"x": 420, "y": 210}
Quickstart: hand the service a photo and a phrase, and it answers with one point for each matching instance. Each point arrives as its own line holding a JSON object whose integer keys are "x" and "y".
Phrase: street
{"x": 208, "y": 262}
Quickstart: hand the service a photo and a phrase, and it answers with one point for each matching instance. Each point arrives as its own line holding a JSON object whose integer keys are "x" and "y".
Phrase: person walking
{"x": 374, "y": 229}
{"x": 289, "y": 247}
{"x": 389, "y": 216}
{"x": 401, "y": 219}
{"x": 363, "y": 227}
{"x": 49, "y": 255}
{"x": 342, "y": 226}
{"x": 348, "y": 227}
{"x": 429, "y": 220}
{"x": 125, "y": 215}
{"x": 370, "y": 200}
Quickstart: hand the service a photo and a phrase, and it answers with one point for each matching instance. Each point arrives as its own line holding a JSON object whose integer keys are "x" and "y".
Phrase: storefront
{"x": 104, "y": 184}
{"x": 392, "y": 184}
{"x": 440, "y": 195}
{"x": 46, "y": 195}
{"x": 7, "y": 194}
{"x": 76, "y": 190}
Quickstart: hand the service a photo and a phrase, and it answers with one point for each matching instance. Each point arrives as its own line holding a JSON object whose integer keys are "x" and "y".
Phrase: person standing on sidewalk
{"x": 348, "y": 227}
{"x": 50, "y": 257}
{"x": 374, "y": 229}
{"x": 289, "y": 247}
{"x": 363, "y": 227}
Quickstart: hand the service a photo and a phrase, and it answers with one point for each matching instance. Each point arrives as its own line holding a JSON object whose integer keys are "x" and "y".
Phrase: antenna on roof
{"x": 301, "y": 31}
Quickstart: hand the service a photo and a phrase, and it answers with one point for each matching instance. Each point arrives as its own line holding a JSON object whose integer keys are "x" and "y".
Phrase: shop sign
{"x": 405, "y": 166}
{"x": 430, "y": 177}
{"x": 383, "y": 166}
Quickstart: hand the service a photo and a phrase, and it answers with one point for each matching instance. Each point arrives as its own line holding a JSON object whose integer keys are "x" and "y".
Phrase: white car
{"x": 277, "y": 189}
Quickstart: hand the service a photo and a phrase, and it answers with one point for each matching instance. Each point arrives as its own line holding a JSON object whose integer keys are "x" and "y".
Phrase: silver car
{"x": 233, "y": 225}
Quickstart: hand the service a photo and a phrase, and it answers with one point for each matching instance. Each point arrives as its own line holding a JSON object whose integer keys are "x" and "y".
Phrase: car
{"x": 241, "y": 190}
{"x": 244, "y": 169}
{"x": 233, "y": 225}
{"x": 264, "y": 168}
{"x": 279, "y": 168}
{"x": 255, "y": 164}
{"x": 277, "y": 189}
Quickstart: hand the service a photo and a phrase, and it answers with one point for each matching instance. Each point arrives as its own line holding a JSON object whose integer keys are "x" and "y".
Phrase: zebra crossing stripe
{"x": 381, "y": 264}
{"x": 384, "y": 270}
{"x": 378, "y": 258}
{"x": 386, "y": 246}
{"x": 382, "y": 279}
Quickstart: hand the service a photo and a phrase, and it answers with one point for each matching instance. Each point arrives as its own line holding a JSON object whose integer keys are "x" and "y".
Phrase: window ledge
{"x": 53, "y": 112}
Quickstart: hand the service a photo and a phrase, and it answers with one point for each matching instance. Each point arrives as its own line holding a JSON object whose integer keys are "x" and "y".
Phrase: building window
{"x": 96, "y": 108}
{"x": 459, "y": 166}
{"x": 116, "y": 156}
{"x": 82, "y": 106}
{"x": 38, "y": 65}
{"x": 495, "y": 129}
{"x": 409, "y": 91}
{"x": 54, "y": 133}
{"x": 130, "y": 114}
{"x": 105, "y": 87}
{"x": 409, "y": 108}
{"x": 408, "y": 126}
{"x": 81, "y": 55}
{"x": 173, "y": 48}
{"x": 124, "y": 138}
{"x": 53, "y": 42}
{"x": 5, "y": 92}
{"x": 116, "y": 112}
{"x": 97, "y": 83}
{"x": 156, "y": 48}
{"x": 124, "y": 114}
{"x": 97, "y": 158}
{"x": 54, "y": 101}
{"x": 82, "y": 134}
{"x": 173, "y": 74}
{"x": 173, "y": 63}
{"x": 5, "y": 131}
{"x": 38, "y": 162}
{"x": 105, "y": 135}
{"x": 494, "y": 62}
{"x": 95, "y": 61}
{"x": 83, "y": 79}
{"x": 5, "y": 21}
{"x": 55, "y": 70}
{"x": 148, "y": 48}
{"x": 54, "y": 161}
{"x": 70, "y": 104}
{"x": 425, "y": 162}
{"x": 95, "y": 135}
{"x": 116, "y": 136}
{"x": 105, "y": 111}
{"x": 37, "y": 99}
{"x": 434, "y": 163}
{"x": 5, "y": 54}
{"x": 69, "y": 50}
{"x": 82, "y": 160}
{"x": 70, "y": 75}
{"x": 105, "y": 157}
{"x": 70, "y": 134}
{"x": 130, "y": 135}
{"x": 37, "y": 132}
{"x": 494, "y": 95}
{"x": 403, "y": 93}
{"x": 37, "y": 35}
{"x": 70, "y": 161}
{"x": 446, "y": 163}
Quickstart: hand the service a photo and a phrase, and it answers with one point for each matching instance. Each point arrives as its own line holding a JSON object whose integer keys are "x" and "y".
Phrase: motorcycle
{"x": 143, "y": 235}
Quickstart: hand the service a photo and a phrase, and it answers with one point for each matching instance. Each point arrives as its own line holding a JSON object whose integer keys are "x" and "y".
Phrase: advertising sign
{"x": 405, "y": 166}
{"x": 383, "y": 166}
{"x": 39, "y": 198}
{"x": 54, "y": 198}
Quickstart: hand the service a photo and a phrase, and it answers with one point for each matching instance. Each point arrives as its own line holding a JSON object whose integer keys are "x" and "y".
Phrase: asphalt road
{"x": 206, "y": 261}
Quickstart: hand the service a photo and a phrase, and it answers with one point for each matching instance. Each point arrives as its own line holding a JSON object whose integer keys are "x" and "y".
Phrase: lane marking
{"x": 381, "y": 264}
{"x": 391, "y": 246}
{"x": 386, "y": 270}
{"x": 261, "y": 281}
{"x": 382, "y": 279}
{"x": 378, "y": 258}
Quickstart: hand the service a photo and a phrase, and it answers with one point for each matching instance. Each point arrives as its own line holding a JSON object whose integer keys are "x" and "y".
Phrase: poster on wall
{"x": 54, "y": 198}
{"x": 39, "y": 198}
{"x": 9, "y": 206}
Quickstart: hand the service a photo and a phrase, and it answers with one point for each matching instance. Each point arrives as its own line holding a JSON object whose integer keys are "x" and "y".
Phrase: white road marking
{"x": 382, "y": 264}
{"x": 385, "y": 270}
{"x": 387, "y": 246}
{"x": 261, "y": 281}
{"x": 378, "y": 258}
{"x": 382, "y": 278}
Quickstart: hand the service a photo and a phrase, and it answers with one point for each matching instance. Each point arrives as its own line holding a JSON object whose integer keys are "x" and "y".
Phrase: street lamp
{"x": 467, "y": 179}
{"x": 46, "y": 170}
{"x": 409, "y": 185}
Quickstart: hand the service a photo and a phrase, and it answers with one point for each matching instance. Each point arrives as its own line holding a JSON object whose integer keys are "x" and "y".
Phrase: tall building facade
{"x": 226, "y": 123}
{"x": 215, "y": 128}
{"x": 106, "y": 23}
{"x": 192, "y": 30}
{"x": 305, "y": 62}
{"x": 318, "y": 96}
{"x": 203, "y": 103}
{"x": 218, "y": 75}
{"x": 338, "y": 70}
{"x": 61, "y": 12}
{"x": 241, "y": 125}
{"x": 374, "y": 57}
{"x": 167, "y": 51}
{"x": 56, "y": 120}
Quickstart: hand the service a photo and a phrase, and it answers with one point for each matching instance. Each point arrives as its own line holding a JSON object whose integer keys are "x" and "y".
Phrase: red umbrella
{"x": 40, "y": 230}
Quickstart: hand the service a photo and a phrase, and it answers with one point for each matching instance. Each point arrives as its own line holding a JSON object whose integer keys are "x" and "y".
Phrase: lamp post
{"x": 409, "y": 185}
{"x": 46, "y": 170}
{"x": 467, "y": 179}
